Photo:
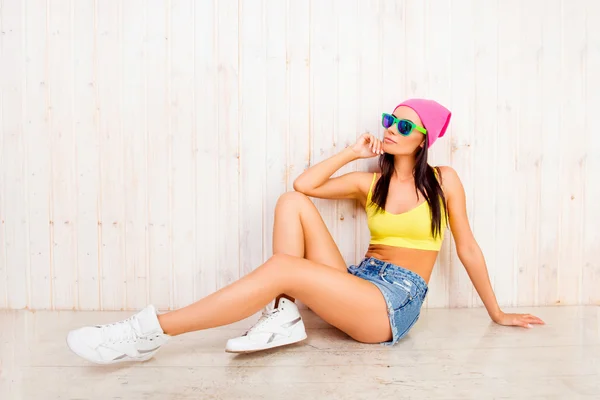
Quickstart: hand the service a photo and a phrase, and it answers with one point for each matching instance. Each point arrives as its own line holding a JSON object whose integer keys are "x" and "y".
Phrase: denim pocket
{"x": 406, "y": 320}
{"x": 353, "y": 269}
{"x": 404, "y": 291}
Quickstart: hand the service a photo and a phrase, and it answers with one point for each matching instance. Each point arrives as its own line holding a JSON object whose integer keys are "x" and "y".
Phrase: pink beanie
{"x": 435, "y": 117}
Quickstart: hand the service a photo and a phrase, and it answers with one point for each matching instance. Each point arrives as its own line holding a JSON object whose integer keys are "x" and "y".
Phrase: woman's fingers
{"x": 377, "y": 146}
{"x": 533, "y": 319}
{"x": 367, "y": 143}
{"x": 525, "y": 320}
{"x": 523, "y": 324}
{"x": 373, "y": 144}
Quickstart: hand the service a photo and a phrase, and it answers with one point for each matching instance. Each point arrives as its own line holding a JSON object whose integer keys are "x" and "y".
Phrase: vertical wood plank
{"x": 87, "y": 149}
{"x": 135, "y": 147}
{"x": 485, "y": 129}
{"x": 135, "y": 175}
{"x": 207, "y": 171}
{"x": 253, "y": 135}
{"x": 228, "y": 134}
{"x": 415, "y": 70}
{"x": 13, "y": 171}
{"x": 438, "y": 61}
{"x": 3, "y": 189}
{"x": 298, "y": 128}
{"x": 509, "y": 81}
{"x": 529, "y": 155}
{"x": 158, "y": 156}
{"x": 591, "y": 212}
{"x": 461, "y": 134}
{"x": 323, "y": 44}
{"x": 61, "y": 102}
{"x": 108, "y": 36}
{"x": 38, "y": 150}
{"x": 393, "y": 50}
{"x": 181, "y": 66}
{"x": 551, "y": 99}
{"x": 347, "y": 108}
{"x": 276, "y": 113}
{"x": 571, "y": 177}
{"x": 370, "y": 94}
{"x": 3, "y": 267}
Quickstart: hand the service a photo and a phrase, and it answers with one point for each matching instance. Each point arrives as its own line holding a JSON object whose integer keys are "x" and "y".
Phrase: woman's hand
{"x": 367, "y": 146}
{"x": 523, "y": 320}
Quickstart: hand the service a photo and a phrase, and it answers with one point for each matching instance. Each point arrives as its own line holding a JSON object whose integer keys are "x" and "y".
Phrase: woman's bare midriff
{"x": 420, "y": 262}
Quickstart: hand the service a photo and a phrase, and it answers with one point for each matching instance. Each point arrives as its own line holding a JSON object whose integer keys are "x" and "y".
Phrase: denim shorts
{"x": 404, "y": 292}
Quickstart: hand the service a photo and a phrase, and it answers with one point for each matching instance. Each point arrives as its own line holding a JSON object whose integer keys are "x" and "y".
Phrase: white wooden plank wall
{"x": 143, "y": 145}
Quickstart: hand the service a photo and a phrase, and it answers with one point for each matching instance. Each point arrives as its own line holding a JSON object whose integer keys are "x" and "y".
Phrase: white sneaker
{"x": 278, "y": 327}
{"x": 137, "y": 338}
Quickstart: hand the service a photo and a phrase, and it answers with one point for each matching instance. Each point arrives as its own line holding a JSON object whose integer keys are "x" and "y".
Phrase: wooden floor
{"x": 449, "y": 354}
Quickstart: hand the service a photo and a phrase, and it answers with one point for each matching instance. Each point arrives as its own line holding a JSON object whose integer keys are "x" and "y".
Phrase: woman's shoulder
{"x": 362, "y": 180}
{"x": 447, "y": 176}
{"x": 365, "y": 179}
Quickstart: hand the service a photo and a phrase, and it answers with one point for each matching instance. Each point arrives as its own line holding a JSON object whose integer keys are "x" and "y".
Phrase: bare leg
{"x": 299, "y": 230}
{"x": 330, "y": 293}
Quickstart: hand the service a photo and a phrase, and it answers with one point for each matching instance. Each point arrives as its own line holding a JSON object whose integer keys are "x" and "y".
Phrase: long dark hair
{"x": 426, "y": 183}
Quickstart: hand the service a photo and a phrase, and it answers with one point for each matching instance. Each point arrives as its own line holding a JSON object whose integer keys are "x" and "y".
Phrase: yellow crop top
{"x": 411, "y": 229}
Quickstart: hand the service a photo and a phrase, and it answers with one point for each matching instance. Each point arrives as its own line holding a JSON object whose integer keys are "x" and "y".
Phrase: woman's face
{"x": 396, "y": 144}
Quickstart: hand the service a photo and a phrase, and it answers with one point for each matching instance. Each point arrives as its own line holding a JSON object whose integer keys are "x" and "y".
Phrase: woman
{"x": 408, "y": 204}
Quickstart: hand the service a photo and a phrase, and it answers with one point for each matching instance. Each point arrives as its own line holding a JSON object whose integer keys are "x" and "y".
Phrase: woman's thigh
{"x": 297, "y": 216}
{"x": 351, "y": 304}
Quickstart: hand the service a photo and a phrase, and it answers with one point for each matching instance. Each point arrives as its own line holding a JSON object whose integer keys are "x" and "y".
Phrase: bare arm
{"x": 470, "y": 254}
{"x": 316, "y": 181}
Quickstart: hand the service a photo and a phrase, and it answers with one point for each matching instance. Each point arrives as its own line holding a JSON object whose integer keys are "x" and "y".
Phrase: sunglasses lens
{"x": 387, "y": 120}
{"x": 404, "y": 127}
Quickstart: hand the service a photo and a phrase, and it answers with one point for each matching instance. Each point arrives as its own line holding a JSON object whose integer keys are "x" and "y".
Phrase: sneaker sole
{"x": 267, "y": 347}
{"x": 73, "y": 347}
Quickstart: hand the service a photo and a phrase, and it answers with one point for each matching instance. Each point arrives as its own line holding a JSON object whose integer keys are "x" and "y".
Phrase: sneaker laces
{"x": 265, "y": 317}
{"x": 122, "y": 331}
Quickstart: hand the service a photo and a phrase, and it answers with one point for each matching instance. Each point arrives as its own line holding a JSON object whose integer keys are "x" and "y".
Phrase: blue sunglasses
{"x": 405, "y": 126}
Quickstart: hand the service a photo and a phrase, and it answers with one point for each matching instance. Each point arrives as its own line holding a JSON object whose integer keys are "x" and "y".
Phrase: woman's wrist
{"x": 349, "y": 154}
{"x": 496, "y": 315}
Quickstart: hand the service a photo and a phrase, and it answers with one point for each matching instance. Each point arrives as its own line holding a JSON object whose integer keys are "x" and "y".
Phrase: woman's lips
{"x": 388, "y": 140}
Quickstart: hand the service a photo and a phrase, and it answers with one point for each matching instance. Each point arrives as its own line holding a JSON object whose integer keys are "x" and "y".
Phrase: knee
{"x": 292, "y": 199}
{"x": 280, "y": 263}
{"x": 284, "y": 269}
{"x": 283, "y": 260}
